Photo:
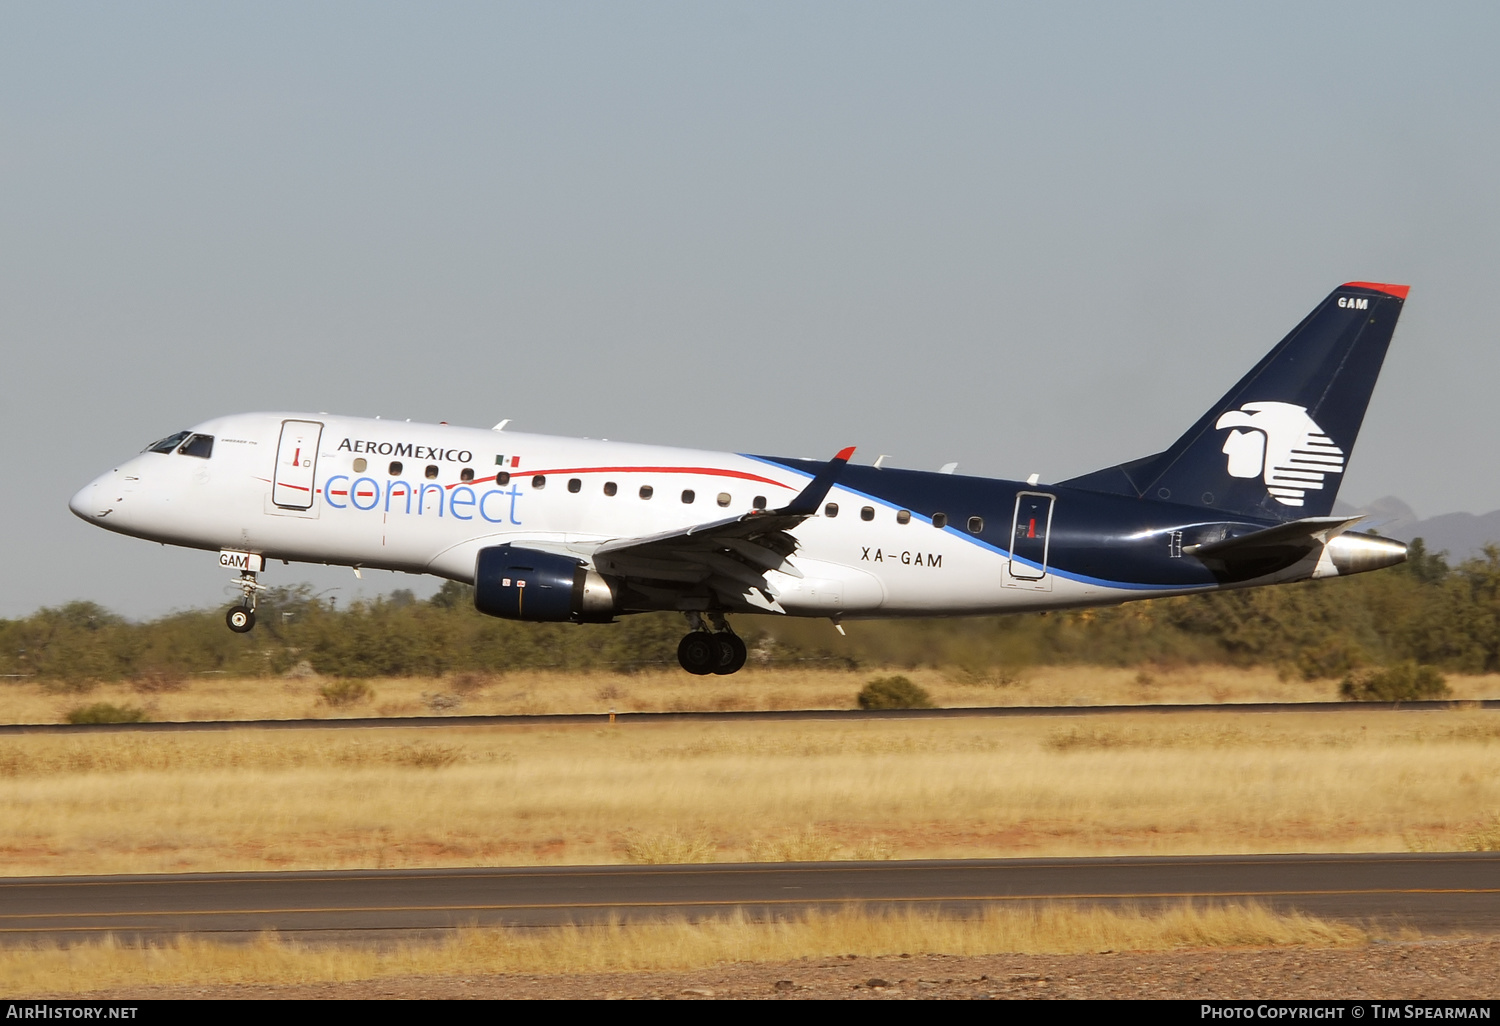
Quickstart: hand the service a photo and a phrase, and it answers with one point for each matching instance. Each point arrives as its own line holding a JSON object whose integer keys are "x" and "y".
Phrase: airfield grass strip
{"x": 98, "y": 966}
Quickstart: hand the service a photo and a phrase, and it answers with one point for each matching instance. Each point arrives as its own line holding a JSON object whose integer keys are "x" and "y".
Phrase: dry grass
{"x": 213, "y": 698}
{"x": 99, "y": 966}
{"x": 671, "y": 792}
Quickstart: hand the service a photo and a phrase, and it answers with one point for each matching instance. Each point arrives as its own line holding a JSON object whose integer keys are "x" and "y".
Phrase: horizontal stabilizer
{"x": 1303, "y": 534}
{"x": 1265, "y": 552}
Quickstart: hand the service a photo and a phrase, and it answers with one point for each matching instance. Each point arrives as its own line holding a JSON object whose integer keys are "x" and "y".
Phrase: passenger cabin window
{"x": 359, "y": 464}
{"x": 831, "y": 510}
{"x": 395, "y": 468}
{"x": 867, "y": 513}
{"x": 431, "y": 472}
{"x": 575, "y": 485}
{"x": 466, "y": 474}
{"x": 201, "y": 446}
{"x": 903, "y": 516}
{"x": 723, "y": 499}
{"x": 610, "y": 488}
{"x": 940, "y": 520}
{"x": 647, "y": 491}
{"x": 688, "y": 495}
{"x": 976, "y": 524}
{"x": 540, "y": 481}
{"x": 759, "y": 502}
{"x": 502, "y": 478}
{"x": 167, "y": 444}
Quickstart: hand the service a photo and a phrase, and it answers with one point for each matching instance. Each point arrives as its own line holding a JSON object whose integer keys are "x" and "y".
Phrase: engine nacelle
{"x": 1355, "y": 553}
{"x": 526, "y": 584}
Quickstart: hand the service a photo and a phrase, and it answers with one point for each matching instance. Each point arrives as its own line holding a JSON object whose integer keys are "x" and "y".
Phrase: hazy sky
{"x": 1030, "y": 238}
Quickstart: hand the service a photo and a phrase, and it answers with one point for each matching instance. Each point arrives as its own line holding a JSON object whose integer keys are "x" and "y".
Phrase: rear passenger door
{"x": 1029, "y": 531}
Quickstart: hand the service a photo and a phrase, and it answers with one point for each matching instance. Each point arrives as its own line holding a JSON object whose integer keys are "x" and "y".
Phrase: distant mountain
{"x": 1461, "y": 535}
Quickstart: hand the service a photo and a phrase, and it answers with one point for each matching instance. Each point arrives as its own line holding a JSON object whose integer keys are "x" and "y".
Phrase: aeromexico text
{"x": 407, "y": 449}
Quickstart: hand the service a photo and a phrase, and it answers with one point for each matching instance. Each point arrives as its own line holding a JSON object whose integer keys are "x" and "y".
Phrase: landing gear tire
{"x": 731, "y": 653}
{"x": 698, "y": 653}
{"x": 241, "y": 619}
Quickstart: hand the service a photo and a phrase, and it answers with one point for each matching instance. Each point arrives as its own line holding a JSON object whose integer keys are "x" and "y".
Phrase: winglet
{"x": 810, "y": 498}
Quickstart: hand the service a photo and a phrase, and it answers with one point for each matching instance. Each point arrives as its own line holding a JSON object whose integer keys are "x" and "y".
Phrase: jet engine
{"x": 526, "y": 584}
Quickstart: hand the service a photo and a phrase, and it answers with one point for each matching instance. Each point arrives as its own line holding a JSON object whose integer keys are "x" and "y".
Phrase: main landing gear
{"x": 711, "y": 648}
{"x": 241, "y": 618}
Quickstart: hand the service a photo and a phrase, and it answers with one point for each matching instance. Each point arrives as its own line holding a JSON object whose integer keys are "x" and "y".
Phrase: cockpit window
{"x": 201, "y": 446}
{"x": 167, "y": 444}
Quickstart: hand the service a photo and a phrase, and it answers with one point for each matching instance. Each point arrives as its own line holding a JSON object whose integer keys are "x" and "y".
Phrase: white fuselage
{"x": 424, "y": 498}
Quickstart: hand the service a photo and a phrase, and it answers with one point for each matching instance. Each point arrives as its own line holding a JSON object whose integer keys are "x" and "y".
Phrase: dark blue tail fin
{"x": 1277, "y": 443}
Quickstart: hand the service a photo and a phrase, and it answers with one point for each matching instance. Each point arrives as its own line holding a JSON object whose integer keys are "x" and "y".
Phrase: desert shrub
{"x": 672, "y": 847}
{"x": 896, "y": 692}
{"x": 345, "y": 692}
{"x": 1403, "y": 682}
{"x": 1335, "y": 657}
{"x": 103, "y": 712}
{"x": 471, "y": 682}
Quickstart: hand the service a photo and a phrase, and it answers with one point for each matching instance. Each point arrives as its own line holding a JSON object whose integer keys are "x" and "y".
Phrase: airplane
{"x": 551, "y": 529}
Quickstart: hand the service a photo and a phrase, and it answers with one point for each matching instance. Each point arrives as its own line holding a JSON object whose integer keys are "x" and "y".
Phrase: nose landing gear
{"x": 711, "y": 648}
{"x": 241, "y": 618}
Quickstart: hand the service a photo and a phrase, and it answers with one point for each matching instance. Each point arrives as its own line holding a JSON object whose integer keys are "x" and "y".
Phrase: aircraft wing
{"x": 730, "y": 557}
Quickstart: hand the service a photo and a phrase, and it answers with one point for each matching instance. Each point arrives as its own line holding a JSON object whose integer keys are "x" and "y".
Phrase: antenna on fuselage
{"x": 501, "y": 426}
{"x": 880, "y": 459}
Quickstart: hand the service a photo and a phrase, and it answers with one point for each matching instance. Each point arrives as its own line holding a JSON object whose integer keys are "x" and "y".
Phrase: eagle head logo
{"x": 1280, "y": 442}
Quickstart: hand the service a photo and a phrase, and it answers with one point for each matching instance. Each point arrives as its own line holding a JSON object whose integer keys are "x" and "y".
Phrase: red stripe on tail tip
{"x": 844, "y": 454}
{"x": 1399, "y": 291}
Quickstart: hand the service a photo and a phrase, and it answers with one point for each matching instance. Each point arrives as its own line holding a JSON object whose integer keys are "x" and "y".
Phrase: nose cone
{"x": 86, "y": 502}
{"x": 79, "y": 503}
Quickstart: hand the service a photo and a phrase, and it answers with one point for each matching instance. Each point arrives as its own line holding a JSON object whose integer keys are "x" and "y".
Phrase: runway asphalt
{"x": 559, "y": 719}
{"x": 1432, "y": 892}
